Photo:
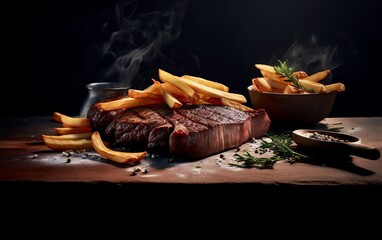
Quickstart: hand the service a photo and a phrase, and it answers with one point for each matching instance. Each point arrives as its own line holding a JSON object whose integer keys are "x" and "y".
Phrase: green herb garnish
{"x": 280, "y": 145}
{"x": 248, "y": 161}
{"x": 287, "y": 72}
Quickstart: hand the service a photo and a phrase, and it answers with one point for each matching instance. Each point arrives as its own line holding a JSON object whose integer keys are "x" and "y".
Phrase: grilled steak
{"x": 192, "y": 131}
{"x": 100, "y": 119}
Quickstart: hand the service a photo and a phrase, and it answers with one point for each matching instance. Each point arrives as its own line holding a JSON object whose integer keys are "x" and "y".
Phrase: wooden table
{"x": 26, "y": 162}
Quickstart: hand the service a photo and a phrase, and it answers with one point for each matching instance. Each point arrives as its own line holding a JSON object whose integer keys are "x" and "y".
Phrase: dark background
{"x": 52, "y": 49}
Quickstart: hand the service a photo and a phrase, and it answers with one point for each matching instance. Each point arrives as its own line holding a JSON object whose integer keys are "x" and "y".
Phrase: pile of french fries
{"x": 175, "y": 91}
{"x": 274, "y": 82}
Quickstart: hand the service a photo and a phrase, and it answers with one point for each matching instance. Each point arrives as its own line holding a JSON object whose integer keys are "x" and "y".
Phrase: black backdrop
{"x": 52, "y": 49}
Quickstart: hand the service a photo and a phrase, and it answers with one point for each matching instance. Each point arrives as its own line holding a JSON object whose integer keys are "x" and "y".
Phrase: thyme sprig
{"x": 287, "y": 72}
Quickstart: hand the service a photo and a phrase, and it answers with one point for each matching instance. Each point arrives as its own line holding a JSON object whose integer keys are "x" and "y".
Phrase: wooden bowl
{"x": 293, "y": 109}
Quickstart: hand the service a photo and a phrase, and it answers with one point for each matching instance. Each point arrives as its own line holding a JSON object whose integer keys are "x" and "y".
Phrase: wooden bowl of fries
{"x": 293, "y": 109}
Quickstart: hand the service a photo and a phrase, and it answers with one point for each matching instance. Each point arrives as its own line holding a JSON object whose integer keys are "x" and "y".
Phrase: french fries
{"x": 277, "y": 86}
{"x": 300, "y": 74}
{"x": 170, "y": 100}
{"x": 73, "y": 136}
{"x": 133, "y": 93}
{"x": 208, "y": 83}
{"x": 262, "y": 84}
{"x": 116, "y": 156}
{"x": 317, "y": 87}
{"x": 71, "y": 125}
{"x": 339, "y": 87}
{"x": 72, "y": 130}
{"x": 70, "y": 121}
{"x": 269, "y": 85}
{"x": 177, "y": 81}
{"x": 268, "y": 72}
{"x": 274, "y": 82}
{"x": 290, "y": 89}
{"x": 179, "y": 94}
{"x": 66, "y": 144}
{"x": 127, "y": 102}
{"x": 212, "y": 92}
{"x": 316, "y": 77}
{"x": 176, "y": 91}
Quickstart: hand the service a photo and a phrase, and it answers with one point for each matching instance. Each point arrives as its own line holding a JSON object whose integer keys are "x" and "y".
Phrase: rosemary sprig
{"x": 248, "y": 160}
{"x": 287, "y": 72}
{"x": 279, "y": 144}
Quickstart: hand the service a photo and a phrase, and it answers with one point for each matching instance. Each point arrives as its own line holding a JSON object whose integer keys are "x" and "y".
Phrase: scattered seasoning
{"x": 171, "y": 159}
{"x": 79, "y": 151}
{"x": 68, "y": 160}
{"x": 324, "y": 137}
{"x": 33, "y": 156}
{"x": 261, "y": 150}
{"x": 66, "y": 154}
{"x": 136, "y": 170}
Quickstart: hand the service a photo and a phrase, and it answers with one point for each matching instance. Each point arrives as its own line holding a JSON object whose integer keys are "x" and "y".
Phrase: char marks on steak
{"x": 192, "y": 131}
{"x": 100, "y": 120}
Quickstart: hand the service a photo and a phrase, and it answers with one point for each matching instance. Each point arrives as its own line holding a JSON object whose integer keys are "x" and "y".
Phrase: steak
{"x": 192, "y": 131}
{"x": 100, "y": 120}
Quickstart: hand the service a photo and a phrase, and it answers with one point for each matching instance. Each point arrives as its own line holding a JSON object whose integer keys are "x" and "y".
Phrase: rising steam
{"x": 312, "y": 57}
{"x": 141, "y": 34}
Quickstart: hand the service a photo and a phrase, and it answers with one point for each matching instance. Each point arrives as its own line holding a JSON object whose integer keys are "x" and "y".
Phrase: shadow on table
{"x": 338, "y": 161}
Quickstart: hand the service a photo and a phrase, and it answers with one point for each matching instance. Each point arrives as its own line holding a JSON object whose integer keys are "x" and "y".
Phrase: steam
{"x": 142, "y": 33}
{"x": 312, "y": 57}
